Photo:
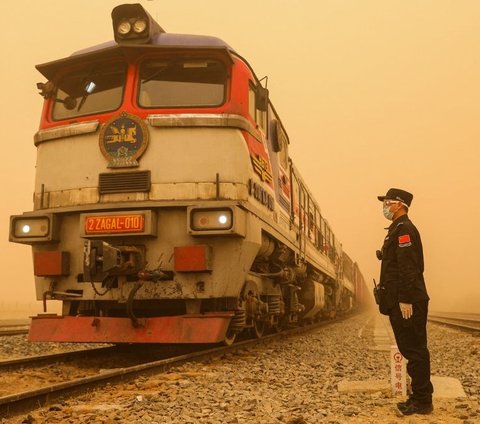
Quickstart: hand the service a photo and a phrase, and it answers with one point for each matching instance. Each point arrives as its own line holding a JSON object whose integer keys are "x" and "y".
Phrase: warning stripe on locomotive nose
{"x": 112, "y": 224}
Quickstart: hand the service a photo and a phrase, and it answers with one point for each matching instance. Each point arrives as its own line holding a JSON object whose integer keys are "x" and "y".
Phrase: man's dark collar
{"x": 398, "y": 221}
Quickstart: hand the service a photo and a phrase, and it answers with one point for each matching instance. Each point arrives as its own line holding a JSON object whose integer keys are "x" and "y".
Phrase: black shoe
{"x": 403, "y": 405}
{"x": 412, "y": 407}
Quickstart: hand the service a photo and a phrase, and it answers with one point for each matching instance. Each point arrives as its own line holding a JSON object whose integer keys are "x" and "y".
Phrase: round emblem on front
{"x": 123, "y": 139}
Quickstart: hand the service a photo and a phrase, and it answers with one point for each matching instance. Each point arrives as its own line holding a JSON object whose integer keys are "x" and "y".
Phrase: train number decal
{"x": 108, "y": 224}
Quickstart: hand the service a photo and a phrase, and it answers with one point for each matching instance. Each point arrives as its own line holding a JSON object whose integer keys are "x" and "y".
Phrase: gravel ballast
{"x": 293, "y": 380}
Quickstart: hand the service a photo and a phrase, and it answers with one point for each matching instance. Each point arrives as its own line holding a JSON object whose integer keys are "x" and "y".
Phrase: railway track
{"x": 49, "y": 359}
{"x": 462, "y": 321}
{"x": 23, "y": 401}
{"x": 13, "y": 329}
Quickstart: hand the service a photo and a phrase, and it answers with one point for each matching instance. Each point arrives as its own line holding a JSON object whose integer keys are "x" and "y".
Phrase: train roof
{"x": 113, "y": 49}
{"x": 157, "y": 39}
{"x": 166, "y": 39}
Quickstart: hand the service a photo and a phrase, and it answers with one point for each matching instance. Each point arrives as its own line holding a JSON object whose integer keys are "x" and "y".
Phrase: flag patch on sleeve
{"x": 404, "y": 241}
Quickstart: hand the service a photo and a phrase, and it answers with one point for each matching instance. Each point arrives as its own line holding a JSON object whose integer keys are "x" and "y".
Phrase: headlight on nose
{"x": 229, "y": 220}
{"x": 211, "y": 219}
{"x": 32, "y": 229}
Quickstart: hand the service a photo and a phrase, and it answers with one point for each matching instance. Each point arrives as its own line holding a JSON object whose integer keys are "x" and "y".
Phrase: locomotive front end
{"x": 166, "y": 206}
{"x": 139, "y": 226}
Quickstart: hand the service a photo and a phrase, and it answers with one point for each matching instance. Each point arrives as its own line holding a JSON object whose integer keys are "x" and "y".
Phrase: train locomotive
{"x": 166, "y": 206}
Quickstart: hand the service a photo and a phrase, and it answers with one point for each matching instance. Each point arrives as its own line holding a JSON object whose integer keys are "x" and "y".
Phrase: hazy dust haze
{"x": 374, "y": 94}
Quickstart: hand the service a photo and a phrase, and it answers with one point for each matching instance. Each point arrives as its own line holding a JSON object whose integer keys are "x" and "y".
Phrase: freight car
{"x": 166, "y": 207}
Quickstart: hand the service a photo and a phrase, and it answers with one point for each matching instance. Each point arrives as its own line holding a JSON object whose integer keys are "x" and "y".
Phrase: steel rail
{"x": 25, "y": 324}
{"x": 13, "y": 332}
{"x": 462, "y": 321}
{"x": 28, "y": 400}
{"x": 30, "y": 361}
{"x": 463, "y": 325}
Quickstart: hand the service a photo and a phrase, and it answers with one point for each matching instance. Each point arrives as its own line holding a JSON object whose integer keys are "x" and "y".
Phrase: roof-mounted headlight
{"x": 140, "y": 25}
{"x": 133, "y": 25}
{"x": 124, "y": 28}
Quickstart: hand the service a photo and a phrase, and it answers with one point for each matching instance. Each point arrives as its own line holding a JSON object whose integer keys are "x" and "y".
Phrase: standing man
{"x": 407, "y": 299}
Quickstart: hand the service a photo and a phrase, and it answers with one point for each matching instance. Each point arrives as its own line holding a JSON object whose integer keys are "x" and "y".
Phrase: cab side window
{"x": 259, "y": 116}
{"x": 251, "y": 103}
{"x": 283, "y": 154}
{"x": 279, "y": 140}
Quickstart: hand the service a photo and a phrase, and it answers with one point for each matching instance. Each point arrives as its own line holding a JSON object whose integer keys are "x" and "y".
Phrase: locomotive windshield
{"x": 182, "y": 83}
{"x": 94, "y": 88}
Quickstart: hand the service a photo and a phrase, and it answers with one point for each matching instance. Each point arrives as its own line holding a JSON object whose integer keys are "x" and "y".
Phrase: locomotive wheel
{"x": 229, "y": 338}
{"x": 275, "y": 328}
{"x": 258, "y": 328}
{"x": 236, "y": 326}
{"x": 251, "y": 298}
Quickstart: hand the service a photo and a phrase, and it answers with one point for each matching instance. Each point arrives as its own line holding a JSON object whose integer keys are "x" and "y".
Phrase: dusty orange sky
{"x": 373, "y": 93}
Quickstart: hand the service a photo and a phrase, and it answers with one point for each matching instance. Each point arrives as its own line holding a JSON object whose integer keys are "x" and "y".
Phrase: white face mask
{"x": 387, "y": 213}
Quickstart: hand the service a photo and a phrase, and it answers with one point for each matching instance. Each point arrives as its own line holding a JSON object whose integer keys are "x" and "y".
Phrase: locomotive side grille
{"x": 124, "y": 182}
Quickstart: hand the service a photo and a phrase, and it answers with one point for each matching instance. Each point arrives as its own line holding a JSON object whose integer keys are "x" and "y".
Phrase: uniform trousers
{"x": 411, "y": 338}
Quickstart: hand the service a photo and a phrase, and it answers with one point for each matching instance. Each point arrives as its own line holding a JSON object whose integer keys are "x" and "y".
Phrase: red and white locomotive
{"x": 166, "y": 207}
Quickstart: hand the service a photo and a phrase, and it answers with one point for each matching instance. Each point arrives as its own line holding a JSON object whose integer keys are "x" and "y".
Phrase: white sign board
{"x": 398, "y": 372}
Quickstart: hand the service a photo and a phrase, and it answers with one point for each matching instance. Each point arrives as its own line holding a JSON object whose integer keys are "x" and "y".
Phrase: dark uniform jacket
{"x": 402, "y": 264}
